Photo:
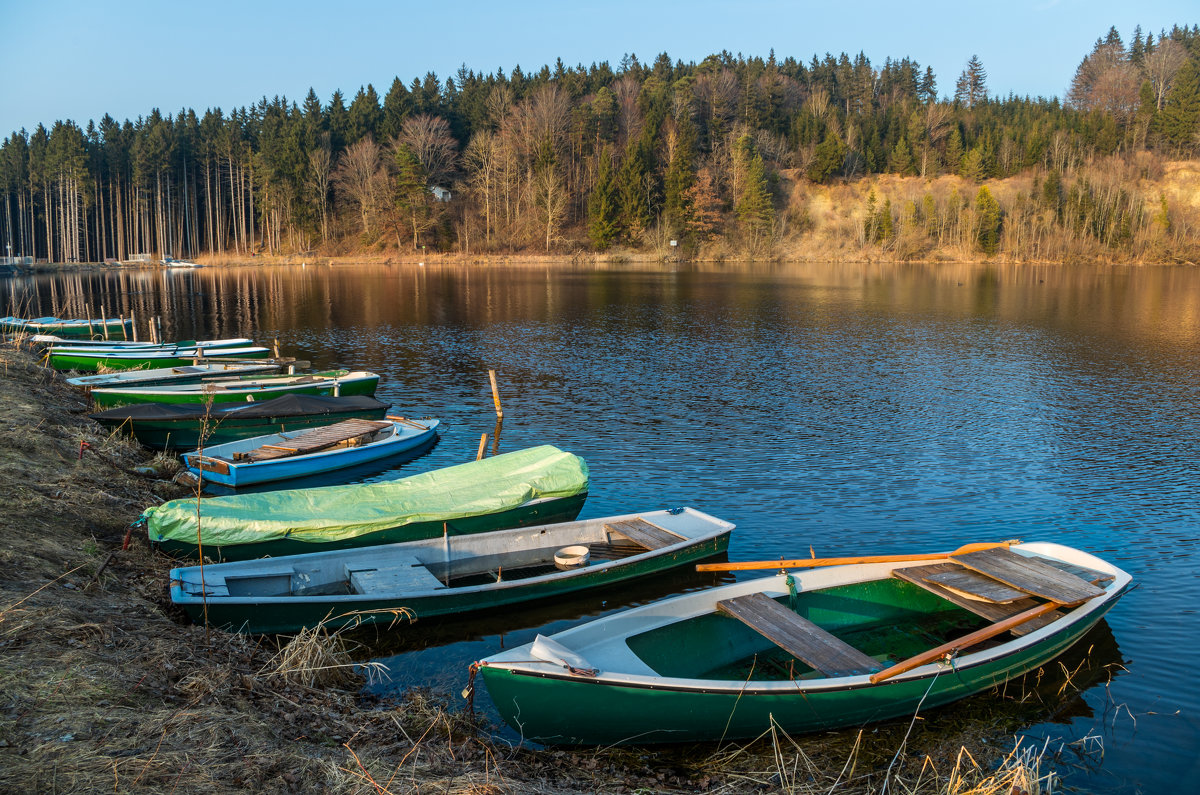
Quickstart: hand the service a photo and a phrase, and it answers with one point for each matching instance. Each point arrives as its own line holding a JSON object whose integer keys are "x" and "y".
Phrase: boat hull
{"x": 66, "y": 360}
{"x": 111, "y": 398}
{"x": 186, "y": 434}
{"x": 253, "y": 473}
{"x": 169, "y": 375}
{"x": 97, "y": 329}
{"x": 558, "y": 509}
{"x": 290, "y": 614}
{"x": 616, "y": 713}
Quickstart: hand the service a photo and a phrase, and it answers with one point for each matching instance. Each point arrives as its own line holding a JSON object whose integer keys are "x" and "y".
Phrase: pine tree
{"x": 753, "y": 207}
{"x": 1179, "y": 120}
{"x": 987, "y": 210}
{"x": 637, "y": 189}
{"x": 829, "y": 156}
{"x": 602, "y": 205}
{"x": 681, "y": 175}
{"x": 971, "y": 88}
{"x": 900, "y": 160}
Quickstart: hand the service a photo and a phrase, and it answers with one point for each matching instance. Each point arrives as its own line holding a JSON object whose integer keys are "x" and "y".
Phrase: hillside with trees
{"x": 732, "y": 157}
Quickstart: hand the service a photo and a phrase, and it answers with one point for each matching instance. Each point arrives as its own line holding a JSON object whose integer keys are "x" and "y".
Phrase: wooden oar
{"x": 808, "y": 563}
{"x": 964, "y": 642}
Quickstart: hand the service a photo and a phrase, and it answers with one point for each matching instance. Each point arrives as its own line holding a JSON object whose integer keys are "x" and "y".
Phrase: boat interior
{"x": 435, "y": 564}
{"x": 867, "y": 627}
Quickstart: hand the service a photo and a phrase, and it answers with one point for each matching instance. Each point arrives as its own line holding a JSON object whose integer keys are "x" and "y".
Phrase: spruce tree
{"x": 753, "y": 207}
{"x": 681, "y": 175}
{"x": 987, "y": 210}
{"x": 830, "y": 154}
{"x": 1179, "y": 120}
{"x": 602, "y": 205}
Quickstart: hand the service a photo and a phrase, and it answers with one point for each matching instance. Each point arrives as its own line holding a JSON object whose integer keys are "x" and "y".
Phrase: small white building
{"x": 441, "y": 194}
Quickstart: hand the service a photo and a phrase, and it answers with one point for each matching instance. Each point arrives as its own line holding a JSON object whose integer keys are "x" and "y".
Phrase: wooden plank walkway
{"x": 992, "y": 611}
{"x": 1030, "y": 575}
{"x": 798, "y": 636}
{"x": 316, "y": 439}
{"x": 643, "y": 533}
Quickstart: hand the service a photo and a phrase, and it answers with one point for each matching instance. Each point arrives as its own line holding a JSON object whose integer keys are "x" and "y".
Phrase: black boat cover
{"x": 285, "y": 406}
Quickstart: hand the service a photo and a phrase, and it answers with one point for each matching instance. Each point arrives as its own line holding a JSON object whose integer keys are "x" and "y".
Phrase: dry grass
{"x": 103, "y": 687}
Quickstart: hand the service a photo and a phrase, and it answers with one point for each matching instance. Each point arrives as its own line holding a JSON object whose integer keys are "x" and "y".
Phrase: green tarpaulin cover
{"x": 340, "y": 512}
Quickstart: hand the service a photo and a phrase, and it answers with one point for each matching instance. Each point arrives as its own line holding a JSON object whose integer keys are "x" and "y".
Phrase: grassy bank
{"x": 104, "y": 687}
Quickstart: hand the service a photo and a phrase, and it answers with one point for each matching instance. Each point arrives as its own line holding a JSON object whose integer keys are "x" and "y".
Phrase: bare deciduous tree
{"x": 320, "y": 171}
{"x": 429, "y": 139}
{"x": 360, "y": 178}
{"x": 1162, "y": 64}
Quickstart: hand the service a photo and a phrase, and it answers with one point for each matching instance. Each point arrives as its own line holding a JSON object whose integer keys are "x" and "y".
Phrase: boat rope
{"x": 793, "y": 597}
{"x": 469, "y": 691}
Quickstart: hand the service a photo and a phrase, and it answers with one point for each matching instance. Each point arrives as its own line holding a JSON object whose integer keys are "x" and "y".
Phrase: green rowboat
{"x": 532, "y": 486}
{"x": 335, "y": 383}
{"x": 164, "y": 426}
{"x": 85, "y": 361}
{"x": 188, "y": 374}
{"x": 110, "y": 328}
{"x": 808, "y": 651}
{"x": 434, "y": 577}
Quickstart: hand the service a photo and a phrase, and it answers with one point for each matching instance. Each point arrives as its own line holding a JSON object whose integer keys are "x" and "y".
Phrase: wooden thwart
{"x": 641, "y": 532}
{"x": 1030, "y": 575}
{"x": 798, "y": 636}
{"x": 317, "y": 439}
{"x": 992, "y": 611}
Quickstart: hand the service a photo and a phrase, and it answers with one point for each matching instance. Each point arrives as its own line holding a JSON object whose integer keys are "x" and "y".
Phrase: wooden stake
{"x": 104, "y": 321}
{"x": 275, "y": 349}
{"x": 88, "y": 310}
{"x": 808, "y": 563}
{"x": 482, "y": 446}
{"x": 133, "y": 325}
{"x": 495, "y": 394}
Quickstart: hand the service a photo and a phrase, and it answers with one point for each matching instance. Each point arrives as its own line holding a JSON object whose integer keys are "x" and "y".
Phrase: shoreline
{"x": 107, "y": 686}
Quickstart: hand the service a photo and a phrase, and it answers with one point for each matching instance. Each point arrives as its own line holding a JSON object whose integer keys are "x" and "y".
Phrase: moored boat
{"x": 92, "y": 361}
{"x": 828, "y": 648}
{"x": 185, "y": 374}
{"x": 300, "y": 453}
{"x": 524, "y": 487}
{"x": 240, "y": 390}
{"x": 93, "y": 346}
{"x": 164, "y": 426}
{"x": 99, "y": 328}
{"x": 435, "y": 578}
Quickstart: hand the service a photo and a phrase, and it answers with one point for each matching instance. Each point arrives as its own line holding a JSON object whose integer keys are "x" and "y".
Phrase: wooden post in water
{"x": 158, "y": 327}
{"x": 133, "y": 325}
{"x": 496, "y": 436}
{"x": 104, "y": 321}
{"x": 482, "y": 447}
{"x": 88, "y": 312}
{"x": 495, "y": 394}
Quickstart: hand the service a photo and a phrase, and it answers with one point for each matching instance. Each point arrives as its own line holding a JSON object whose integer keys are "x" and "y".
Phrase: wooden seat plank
{"x": 393, "y": 579}
{"x": 317, "y": 439}
{"x": 1082, "y": 572}
{"x": 644, "y": 533}
{"x": 798, "y": 636}
{"x": 974, "y": 585}
{"x": 1031, "y": 575}
{"x": 992, "y": 611}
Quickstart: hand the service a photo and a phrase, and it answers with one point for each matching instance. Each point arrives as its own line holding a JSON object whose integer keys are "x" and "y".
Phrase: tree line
{"x": 586, "y": 158}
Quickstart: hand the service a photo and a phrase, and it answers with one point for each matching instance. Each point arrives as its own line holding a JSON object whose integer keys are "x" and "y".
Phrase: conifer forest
{"x": 735, "y": 156}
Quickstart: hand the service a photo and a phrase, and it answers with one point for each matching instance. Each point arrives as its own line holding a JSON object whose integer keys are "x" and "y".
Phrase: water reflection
{"x": 841, "y": 407}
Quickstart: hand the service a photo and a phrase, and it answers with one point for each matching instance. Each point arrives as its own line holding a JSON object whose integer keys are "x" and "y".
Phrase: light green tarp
{"x": 340, "y": 512}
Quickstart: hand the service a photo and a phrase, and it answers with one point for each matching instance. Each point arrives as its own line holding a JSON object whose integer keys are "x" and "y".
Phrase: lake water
{"x": 846, "y": 408}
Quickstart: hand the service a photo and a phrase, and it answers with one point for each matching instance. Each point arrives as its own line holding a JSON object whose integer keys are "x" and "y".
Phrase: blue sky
{"x": 79, "y": 60}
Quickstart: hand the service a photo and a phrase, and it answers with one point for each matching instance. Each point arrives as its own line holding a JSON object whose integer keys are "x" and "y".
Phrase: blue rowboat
{"x": 296, "y": 454}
